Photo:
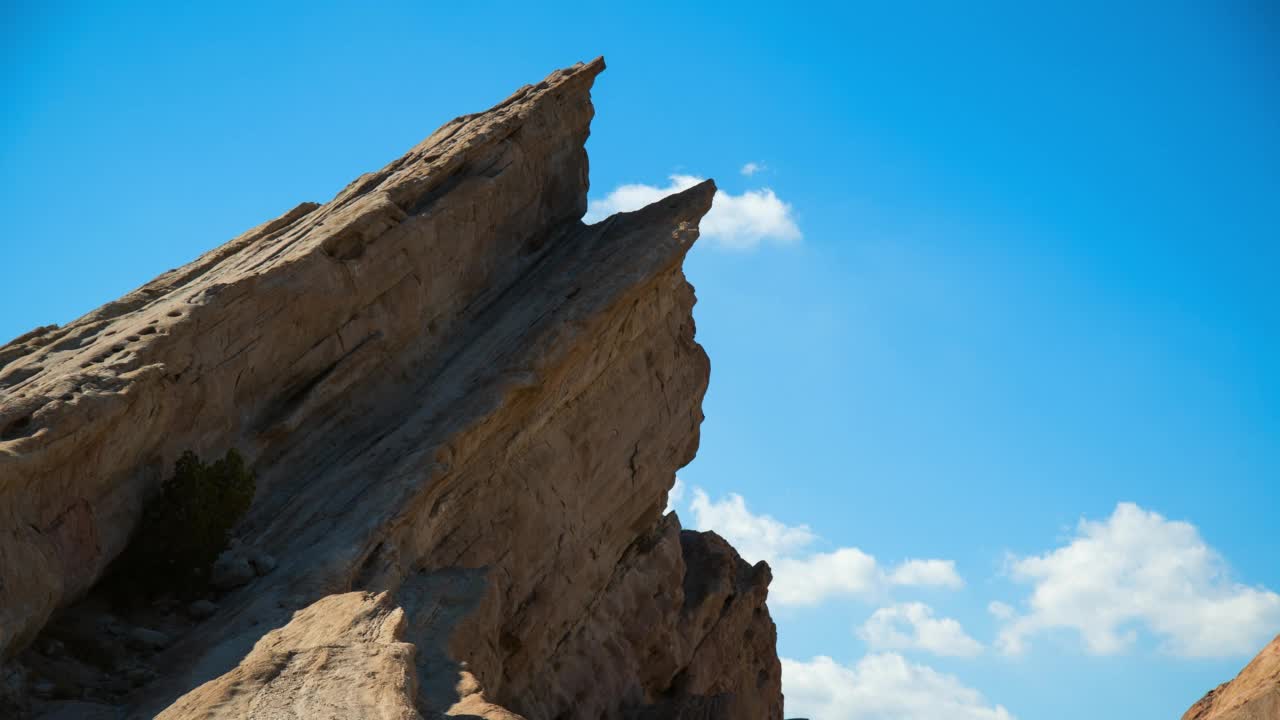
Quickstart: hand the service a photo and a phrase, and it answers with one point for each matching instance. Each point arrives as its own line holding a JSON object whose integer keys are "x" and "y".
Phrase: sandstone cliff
{"x": 464, "y": 408}
{"x": 1254, "y": 694}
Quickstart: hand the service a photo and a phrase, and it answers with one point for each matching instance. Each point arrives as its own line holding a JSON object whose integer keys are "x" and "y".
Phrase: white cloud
{"x": 803, "y": 577}
{"x": 912, "y": 626}
{"x": 674, "y": 496}
{"x": 756, "y": 537}
{"x": 751, "y": 169}
{"x": 738, "y": 222}
{"x": 1137, "y": 569}
{"x": 1001, "y": 611}
{"x": 811, "y": 580}
{"x": 936, "y": 573}
{"x": 882, "y": 686}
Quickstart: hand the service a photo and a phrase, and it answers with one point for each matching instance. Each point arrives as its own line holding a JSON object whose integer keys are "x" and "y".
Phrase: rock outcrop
{"x": 464, "y": 409}
{"x": 1254, "y": 694}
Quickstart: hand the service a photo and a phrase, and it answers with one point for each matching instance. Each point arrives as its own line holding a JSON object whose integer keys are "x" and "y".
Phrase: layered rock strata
{"x": 464, "y": 408}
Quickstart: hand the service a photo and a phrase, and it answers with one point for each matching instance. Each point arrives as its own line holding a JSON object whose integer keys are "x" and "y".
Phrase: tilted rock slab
{"x": 464, "y": 408}
{"x": 1254, "y": 694}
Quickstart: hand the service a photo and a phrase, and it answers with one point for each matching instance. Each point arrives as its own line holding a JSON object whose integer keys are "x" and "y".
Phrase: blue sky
{"x": 1007, "y": 303}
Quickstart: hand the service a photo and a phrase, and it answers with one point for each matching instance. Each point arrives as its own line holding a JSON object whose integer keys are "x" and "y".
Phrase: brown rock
{"x": 1254, "y": 694}
{"x": 464, "y": 409}
{"x": 341, "y": 657}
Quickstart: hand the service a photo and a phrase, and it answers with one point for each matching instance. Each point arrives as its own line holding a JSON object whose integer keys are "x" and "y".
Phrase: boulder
{"x": 231, "y": 570}
{"x": 201, "y": 609}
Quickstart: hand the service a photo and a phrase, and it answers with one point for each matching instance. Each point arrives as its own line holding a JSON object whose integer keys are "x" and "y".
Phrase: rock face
{"x": 464, "y": 408}
{"x": 1254, "y": 694}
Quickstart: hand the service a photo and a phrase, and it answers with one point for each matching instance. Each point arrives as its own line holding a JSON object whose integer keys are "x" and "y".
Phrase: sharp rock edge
{"x": 464, "y": 408}
{"x": 1254, "y": 694}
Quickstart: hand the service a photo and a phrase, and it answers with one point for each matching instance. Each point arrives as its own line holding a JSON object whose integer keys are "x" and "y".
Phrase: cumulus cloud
{"x": 882, "y": 686}
{"x": 912, "y": 626}
{"x": 803, "y": 577}
{"x": 1138, "y": 570}
{"x": 939, "y": 573}
{"x": 738, "y": 222}
{"x": 751, "y": 169}
{"x": 756, "y": 537}
{"x": 812, "y": 579}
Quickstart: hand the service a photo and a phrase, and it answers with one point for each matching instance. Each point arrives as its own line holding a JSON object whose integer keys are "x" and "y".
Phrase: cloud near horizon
{"x": 878, "y": 687}
{"x": 801, "y": 577}
{"x": 1137, "y": 569}
{"x": 735, "y": 222}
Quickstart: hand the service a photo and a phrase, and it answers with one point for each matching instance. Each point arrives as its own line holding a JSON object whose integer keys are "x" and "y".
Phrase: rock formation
{"x": 464, "y": 409}
{"x": 1254, "y": 694}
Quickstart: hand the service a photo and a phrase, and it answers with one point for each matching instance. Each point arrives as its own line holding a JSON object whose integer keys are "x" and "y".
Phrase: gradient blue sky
{"x": 1036, "y": 277}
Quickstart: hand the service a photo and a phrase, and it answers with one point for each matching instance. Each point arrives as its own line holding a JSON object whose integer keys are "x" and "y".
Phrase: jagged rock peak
{"x": 464, "y": 409}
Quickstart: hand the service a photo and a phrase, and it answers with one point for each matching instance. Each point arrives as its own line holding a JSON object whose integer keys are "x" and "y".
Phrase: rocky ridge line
{"x": 465, "y": 409}
{"x": 1254, "y": 694}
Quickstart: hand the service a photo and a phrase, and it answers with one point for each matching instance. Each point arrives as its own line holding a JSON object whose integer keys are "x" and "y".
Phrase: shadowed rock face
{"x": 464, "y": 408}
{"x": 1254, "y": 694}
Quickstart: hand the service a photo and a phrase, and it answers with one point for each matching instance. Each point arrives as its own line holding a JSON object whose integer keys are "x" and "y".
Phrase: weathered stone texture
{"x": 464, "y": 408}
{"x": 1254, "y": 694}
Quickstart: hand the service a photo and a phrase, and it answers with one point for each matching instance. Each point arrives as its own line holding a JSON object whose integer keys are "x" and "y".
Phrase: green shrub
{"x": 186, "y": 526}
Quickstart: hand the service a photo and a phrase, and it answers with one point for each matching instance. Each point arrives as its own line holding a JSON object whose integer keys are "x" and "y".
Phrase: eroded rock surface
{"x": 464, "y": 408}
{"x": 344, "y": 653}
{"x": 1254, "y": 694}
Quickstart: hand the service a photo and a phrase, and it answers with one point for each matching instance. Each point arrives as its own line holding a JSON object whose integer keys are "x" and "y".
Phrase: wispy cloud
{"x": 1001, "y": 611}
{"x": 1138, "y": 569}
{"x": 880, "y": 686}
{"x": 803, "y": 577}
{"x": 736, "y": 222}
{"x": 751, "y": 169}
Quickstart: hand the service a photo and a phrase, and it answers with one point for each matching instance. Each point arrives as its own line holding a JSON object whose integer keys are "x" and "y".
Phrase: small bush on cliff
{"x": 186, "y": 527}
